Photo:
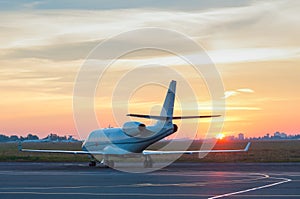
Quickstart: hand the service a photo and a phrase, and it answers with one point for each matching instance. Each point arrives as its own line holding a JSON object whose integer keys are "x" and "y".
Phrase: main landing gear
{"x": 148, "y": 163}
{"x": 106, "y": 162}
{"x": 92, "y": 163}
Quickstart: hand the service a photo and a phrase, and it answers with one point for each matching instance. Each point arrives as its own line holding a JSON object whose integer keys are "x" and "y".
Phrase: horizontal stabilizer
{"x": 193, "y": 117}
{"x": 155, "y": 117}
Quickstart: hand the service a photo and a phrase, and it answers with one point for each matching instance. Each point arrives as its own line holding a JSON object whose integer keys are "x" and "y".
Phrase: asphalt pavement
{"x": 179, "y": 180}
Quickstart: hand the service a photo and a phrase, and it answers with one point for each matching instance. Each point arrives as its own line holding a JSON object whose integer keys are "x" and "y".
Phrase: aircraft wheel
{"x": 92, "y": 164}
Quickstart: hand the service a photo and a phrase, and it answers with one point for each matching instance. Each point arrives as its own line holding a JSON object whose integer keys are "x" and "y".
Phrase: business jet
{"x": 134, "y": 137}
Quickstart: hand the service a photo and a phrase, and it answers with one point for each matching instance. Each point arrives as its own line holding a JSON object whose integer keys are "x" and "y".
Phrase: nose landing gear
{"x": 108, "y": 163}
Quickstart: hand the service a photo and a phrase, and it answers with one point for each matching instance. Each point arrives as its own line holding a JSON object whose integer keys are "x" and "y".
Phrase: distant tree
{"x": 4, "y": 138}
{"x": 31, "y": 137}
{"x": 14, "y": 138}
{"x": 53, "y": 136}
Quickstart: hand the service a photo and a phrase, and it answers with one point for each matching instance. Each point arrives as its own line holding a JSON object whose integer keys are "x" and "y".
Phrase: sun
{"x": 220, "y": 136}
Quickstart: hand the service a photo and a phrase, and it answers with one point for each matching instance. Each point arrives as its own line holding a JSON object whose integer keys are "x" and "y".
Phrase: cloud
{"x": 33, "y": 4}
{"x": 37, "y": 76}
{"x": 267, "y": 30}
{"x": 55, "y": 52}
{"x": 228, "y": 94}
{"x": 245, "y": 90}
{"x": 119, "y": 4}
{"x": 240, "y": 55}
{"x": 254, "y": 44}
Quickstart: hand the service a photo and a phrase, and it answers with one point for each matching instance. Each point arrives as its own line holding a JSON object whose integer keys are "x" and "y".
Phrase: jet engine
{"x": 175, "y": 128}
{"x": 133, "y": 128}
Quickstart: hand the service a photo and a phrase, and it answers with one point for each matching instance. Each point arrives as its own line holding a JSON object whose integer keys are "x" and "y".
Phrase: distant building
{"x": 277, "y": 134}
{"x": 241, "y": 136}
{"x": 280, "y": 135}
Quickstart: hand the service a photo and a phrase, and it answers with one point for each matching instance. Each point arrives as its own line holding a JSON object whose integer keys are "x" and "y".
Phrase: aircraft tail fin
{"x": 168, "y": 107}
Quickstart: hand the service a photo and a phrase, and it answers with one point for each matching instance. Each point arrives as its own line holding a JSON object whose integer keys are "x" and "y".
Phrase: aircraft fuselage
{"x": 124, "y": 141}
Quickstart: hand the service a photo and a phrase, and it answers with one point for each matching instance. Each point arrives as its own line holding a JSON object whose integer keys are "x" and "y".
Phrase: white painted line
{"x": 284, "y": 180}
{"x": 105, "y": 194}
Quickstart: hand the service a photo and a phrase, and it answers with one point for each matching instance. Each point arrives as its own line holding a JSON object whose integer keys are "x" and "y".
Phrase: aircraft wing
{"x": 62, "y": 151}
{"x": 152, "y": 152}
{"x": 59, "y": 151}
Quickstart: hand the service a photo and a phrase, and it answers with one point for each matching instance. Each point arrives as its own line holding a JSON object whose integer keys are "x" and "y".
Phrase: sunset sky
{"x": 255, "y": 46}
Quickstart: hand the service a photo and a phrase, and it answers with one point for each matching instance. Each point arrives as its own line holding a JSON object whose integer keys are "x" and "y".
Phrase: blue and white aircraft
{"x": 134, "y": 137}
